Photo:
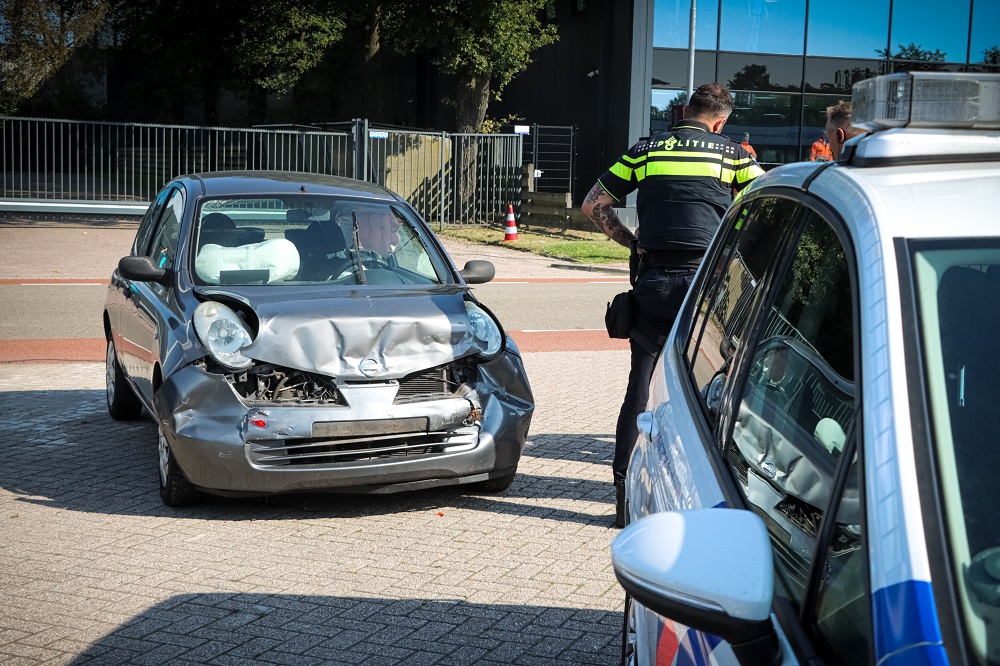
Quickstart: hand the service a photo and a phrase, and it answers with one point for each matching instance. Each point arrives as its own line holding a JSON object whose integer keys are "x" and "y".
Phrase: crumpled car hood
{"x": 332, "y": 332}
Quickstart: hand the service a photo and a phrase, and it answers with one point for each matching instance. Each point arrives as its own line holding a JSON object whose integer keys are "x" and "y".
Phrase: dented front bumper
{"x": 225, "y": 444}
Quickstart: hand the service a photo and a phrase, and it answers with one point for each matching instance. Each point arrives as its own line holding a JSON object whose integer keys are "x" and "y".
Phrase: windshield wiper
{"x": 359, "y": 269}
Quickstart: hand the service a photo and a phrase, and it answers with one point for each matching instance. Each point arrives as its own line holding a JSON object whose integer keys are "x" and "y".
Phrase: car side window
{"x": 163, "y": 249}
{"x": 797, "y": 401}
{"x": 756, "y": 234}
{"x": 148, "y": 222}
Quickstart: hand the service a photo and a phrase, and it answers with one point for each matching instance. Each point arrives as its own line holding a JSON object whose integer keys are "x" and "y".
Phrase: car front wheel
{"x": 123, "y": 404}
{"x": 175, "y": 490}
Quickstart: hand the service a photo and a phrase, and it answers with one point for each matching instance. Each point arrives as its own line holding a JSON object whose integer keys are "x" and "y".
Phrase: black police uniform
{"x": 685, "y": 179}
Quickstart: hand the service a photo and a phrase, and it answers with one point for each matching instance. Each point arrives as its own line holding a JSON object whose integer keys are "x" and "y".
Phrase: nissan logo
{"x": 370, "y": 367}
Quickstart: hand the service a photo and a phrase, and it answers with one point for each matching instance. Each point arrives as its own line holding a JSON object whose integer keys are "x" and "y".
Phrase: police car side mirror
{"x": 709, "y": 569}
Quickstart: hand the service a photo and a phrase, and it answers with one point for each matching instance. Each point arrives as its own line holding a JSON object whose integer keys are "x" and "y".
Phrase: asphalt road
{"x": 73, "y": 310}
{"x": 52, "y": 277}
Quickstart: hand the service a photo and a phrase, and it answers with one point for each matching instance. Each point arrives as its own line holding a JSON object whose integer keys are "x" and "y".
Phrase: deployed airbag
{"x": 278, "y": 257}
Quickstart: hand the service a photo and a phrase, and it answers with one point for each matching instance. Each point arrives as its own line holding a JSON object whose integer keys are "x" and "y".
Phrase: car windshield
{"x": 311, "y": 240}
{"x": 958, "y": 294}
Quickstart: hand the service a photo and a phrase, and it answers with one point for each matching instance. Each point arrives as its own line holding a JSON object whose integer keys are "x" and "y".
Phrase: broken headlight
{"x": 485, "y": 330}
{"x": 223, "y": 333}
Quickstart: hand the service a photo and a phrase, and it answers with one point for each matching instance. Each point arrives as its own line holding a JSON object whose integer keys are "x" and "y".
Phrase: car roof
{"x": 220, "y": 183}
{"x": 909, "y": 183}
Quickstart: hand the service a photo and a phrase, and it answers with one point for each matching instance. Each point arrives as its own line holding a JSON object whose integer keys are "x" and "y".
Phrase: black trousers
{"x": 657, "y": 298}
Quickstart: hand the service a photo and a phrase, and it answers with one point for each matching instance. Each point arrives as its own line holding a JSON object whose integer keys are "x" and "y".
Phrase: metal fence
{"x": 553, "y": 152}
{"x": 449, "y": 178}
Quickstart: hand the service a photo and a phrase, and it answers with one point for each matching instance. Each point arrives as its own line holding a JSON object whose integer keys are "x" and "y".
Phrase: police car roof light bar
{"x": 927, "y": 99}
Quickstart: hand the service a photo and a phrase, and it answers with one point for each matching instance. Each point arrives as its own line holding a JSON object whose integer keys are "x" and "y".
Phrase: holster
{"x": 636, "y": 263}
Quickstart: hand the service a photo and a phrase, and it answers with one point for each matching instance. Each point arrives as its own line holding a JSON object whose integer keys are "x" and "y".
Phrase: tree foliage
{"x": 913, "y": 52}
{"x": 277, "y": 45}
{"x": 991, "y": 55}
{"x": 255, "y": 47}
{"x": 484, "y": 44}
{"x": 37, "y": 38}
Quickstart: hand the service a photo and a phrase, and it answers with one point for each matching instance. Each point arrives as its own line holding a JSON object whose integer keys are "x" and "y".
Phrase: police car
{"x": 816, "y": 478}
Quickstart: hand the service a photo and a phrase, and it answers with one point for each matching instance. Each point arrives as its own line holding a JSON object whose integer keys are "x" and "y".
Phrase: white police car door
{"x": 770, "y": 364}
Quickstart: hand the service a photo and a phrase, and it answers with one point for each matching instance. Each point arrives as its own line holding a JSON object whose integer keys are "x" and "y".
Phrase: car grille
{"x": 434, "y": 384}
{"x": 360, "y": 441}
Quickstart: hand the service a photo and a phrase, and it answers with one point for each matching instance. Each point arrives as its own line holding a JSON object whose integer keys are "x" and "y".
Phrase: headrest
{"x": 217, "y": 221}
{"x": 298, "y": 215}
{"x": 325, "y": 237}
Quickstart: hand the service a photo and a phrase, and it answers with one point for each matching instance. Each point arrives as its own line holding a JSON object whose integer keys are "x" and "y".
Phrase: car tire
{"x": 628, "y": 633}
{"x": 497, "y": 485}
{"x": 175, "y": 489}
{"x": 123, "y": 403}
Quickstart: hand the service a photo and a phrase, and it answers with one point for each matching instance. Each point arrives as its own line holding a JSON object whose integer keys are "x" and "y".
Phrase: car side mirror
{"x": 478, "y": 271}
{"x": 709, "y": 569}
{"x": 141, "y": 269}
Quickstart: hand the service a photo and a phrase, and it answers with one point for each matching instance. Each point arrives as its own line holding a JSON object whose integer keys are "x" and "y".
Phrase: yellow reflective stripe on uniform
{"x": 634, "y": 160}
{"x": 640, "y": 173}
{"x": 621, "y": 171}
{"x": 665, "y": 168}
{"x": 684, "y": 153}
{"x": 748, "y": 173}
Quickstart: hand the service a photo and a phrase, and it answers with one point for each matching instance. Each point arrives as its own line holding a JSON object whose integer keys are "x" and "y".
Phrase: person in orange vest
{"x": 746, "y": 145}
{"x": 821, "y": 151}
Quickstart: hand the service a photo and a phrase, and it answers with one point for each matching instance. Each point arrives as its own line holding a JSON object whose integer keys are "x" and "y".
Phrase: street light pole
{"x": 691, "y": 55}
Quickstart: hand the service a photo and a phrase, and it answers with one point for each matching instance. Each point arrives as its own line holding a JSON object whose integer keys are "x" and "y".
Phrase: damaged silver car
{"x": 292, "y": 332}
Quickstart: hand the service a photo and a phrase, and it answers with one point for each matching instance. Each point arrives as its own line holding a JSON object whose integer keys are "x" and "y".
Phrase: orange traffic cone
{"x": 511, "y": 232}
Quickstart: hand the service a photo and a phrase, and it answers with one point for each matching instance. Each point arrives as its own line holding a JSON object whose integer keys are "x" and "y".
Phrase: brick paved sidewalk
{"x": 94, "y": 569}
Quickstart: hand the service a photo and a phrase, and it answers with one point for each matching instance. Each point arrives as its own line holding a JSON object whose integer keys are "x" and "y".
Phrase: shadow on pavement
{"x": 61, "y": 449}
{"x": 308, "y": 629}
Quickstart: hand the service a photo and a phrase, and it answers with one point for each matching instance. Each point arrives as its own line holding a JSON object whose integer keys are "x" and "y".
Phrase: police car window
{"x": 797, "y": 401}
{"x": 840, "y": 616}
{"x": 724, "y": 306}
{"x": 163, "y": 249}
{"x": 958, "y": 292}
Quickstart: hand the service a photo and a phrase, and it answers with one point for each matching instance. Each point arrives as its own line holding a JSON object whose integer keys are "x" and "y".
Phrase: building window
{"x": 829, "y": 23}
{"x": 921, "y": 31}
{"x": 834, "y": 75}
{"x": 672, "y": 24}
{"x": 985, "y": 44}
{"x": 763, "y": 27}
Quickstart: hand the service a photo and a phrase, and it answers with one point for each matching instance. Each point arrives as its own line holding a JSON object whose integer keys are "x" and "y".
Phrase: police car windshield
{"x": 958, "y": 287}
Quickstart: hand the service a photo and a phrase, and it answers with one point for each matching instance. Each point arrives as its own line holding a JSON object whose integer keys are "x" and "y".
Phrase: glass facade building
{"x": 786, "y": 61}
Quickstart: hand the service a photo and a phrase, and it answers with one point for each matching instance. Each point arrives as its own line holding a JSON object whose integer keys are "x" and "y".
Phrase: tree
{"x": 991, "y": 55}
{"x": 916, "y": 59}
{"x": 37, "y": 38}
{"x": 191, "y": 51}
{"x": 485, "y": 44}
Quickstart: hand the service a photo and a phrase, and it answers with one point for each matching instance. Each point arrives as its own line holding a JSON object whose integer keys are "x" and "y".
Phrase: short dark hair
{"x": 839, "y": 115}
{"x": 711, "y": 99}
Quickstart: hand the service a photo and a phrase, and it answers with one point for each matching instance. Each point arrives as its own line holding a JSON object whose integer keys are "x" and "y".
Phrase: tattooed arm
{"x": 598, "y": 207}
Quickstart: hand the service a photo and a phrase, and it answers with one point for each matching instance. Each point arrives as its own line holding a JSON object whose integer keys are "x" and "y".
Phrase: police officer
{"x": 685, "y": 178}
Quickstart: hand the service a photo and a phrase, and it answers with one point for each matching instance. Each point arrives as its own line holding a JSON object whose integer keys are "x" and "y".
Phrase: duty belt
{"x": 672, "y": 258}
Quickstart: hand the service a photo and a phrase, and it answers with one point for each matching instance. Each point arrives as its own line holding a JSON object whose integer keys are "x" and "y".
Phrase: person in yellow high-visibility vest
{"x": 685, "y": 179}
